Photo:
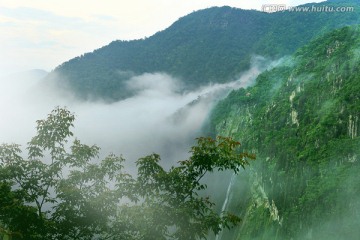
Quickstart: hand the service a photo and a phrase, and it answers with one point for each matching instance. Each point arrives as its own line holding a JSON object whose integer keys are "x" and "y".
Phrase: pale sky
{"x": 41, "y": 34}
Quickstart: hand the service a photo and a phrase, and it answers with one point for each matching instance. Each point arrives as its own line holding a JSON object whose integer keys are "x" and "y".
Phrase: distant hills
{"x": 207, "y": 46}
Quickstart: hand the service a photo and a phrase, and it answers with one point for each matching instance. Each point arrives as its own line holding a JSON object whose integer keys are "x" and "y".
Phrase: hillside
{"x": 211, "y": 45}
{"x": 302, "y": 121}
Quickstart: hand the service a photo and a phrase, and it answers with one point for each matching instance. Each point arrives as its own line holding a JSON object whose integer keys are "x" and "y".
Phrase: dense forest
{"x": 208, "y": 46}
{"x": 299, "y": 119}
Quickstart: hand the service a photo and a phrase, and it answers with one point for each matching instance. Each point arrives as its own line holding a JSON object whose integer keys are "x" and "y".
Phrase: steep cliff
{"x": 302, "y": 121}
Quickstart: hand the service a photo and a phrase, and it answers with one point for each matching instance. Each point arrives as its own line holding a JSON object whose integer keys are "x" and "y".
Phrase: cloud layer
{"x": 158, "y": 119}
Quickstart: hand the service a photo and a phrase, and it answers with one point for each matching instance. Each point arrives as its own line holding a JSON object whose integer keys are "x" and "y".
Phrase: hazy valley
{"x": 285, "y": 85}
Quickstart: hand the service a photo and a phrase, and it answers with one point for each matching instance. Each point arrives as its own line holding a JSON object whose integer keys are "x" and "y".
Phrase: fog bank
{"x": 159, "y": 118}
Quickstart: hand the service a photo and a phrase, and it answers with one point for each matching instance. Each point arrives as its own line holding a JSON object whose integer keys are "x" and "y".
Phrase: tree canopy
{"x": 61, "y": 190}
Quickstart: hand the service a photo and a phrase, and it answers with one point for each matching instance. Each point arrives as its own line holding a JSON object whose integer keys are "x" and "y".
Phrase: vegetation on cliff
{"x": 302, "y": 121}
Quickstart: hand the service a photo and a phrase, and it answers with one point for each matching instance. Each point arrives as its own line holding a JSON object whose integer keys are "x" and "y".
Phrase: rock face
{"x": 302, "y": 121}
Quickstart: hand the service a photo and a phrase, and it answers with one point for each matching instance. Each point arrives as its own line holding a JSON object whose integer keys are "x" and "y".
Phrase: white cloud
{"x": 157, "y": 119}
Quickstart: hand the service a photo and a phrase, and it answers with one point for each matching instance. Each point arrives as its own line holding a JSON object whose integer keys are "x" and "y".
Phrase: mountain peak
{"x": 213, "y": 45}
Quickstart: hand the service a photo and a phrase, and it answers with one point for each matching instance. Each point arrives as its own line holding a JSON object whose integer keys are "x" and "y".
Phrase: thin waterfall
{"x": 225, "y": 204}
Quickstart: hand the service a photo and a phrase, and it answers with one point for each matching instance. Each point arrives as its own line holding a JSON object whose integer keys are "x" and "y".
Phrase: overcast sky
{"x": 41, "y": 34}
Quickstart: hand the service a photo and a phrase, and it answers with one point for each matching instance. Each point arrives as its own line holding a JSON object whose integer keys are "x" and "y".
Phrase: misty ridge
{"x": 283, "y": 87}
{"x": 161, "y": 118}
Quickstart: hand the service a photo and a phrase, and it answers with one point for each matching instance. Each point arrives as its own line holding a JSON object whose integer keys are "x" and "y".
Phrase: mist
{"x": 158, "y": 119}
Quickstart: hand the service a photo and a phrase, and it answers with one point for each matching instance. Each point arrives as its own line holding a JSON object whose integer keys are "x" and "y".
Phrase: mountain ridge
{"x": 210, "y": 45}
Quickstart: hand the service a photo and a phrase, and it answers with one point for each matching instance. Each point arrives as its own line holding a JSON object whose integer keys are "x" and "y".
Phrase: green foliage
{"x": 208, "y": 46}
{"x": 303, "y": 123}
{"x": 60, "y": 192}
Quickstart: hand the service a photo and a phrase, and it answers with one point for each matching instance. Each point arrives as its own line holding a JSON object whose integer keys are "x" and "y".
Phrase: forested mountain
{"x": 211, "y": 45}
{"x": 302, "y": 121}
